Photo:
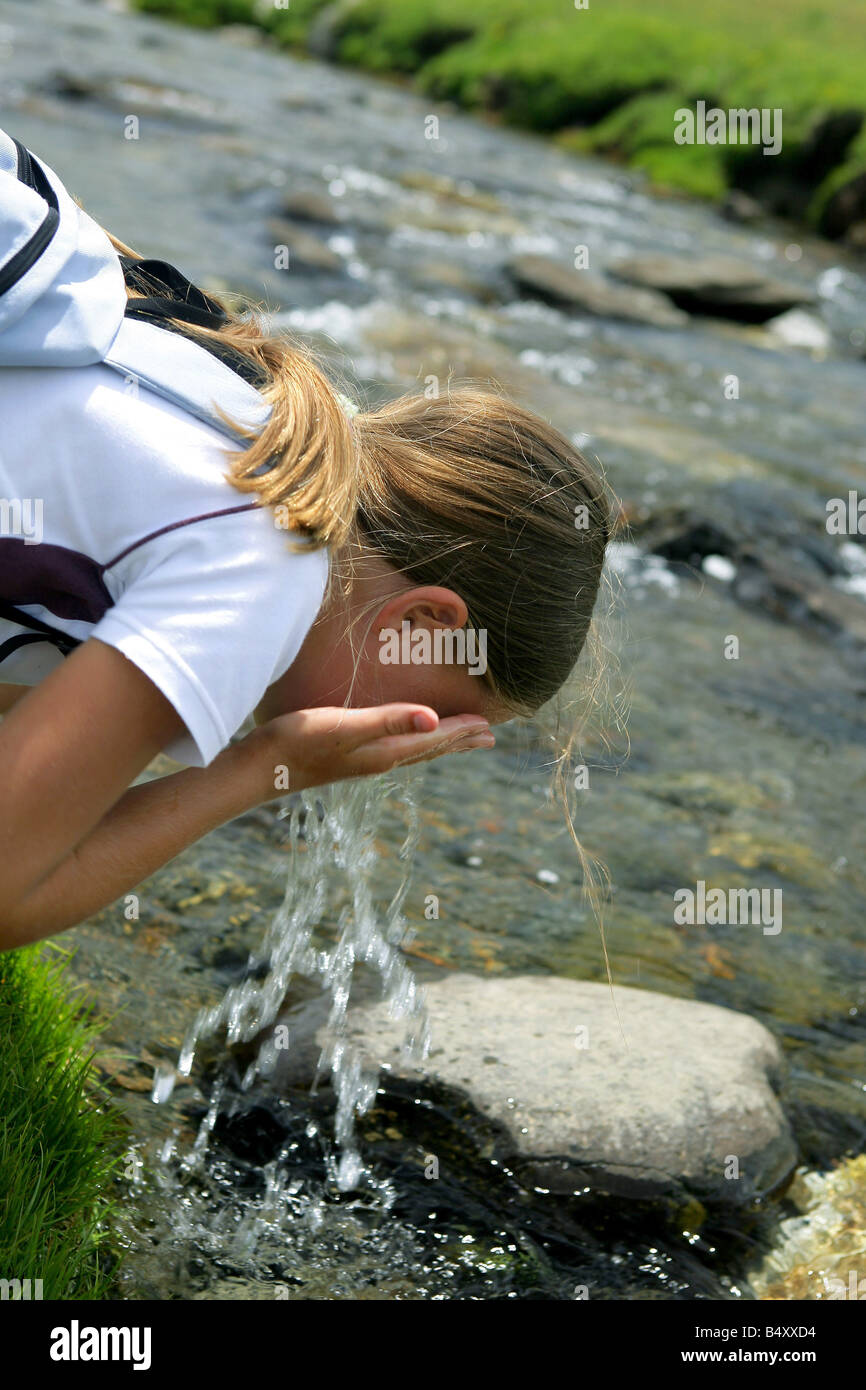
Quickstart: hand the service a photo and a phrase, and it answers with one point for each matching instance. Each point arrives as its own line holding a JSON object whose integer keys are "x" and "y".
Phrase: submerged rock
{"x": 820, "y": 1252}
{"x": 592, "y": 294}
{"x": 307, "y": 1282}
{"x": 720, "y": 286}
{"x": 666, "y": 1097}
{"x": 737, "y": 206}
{"x": 304, "y": 248}
{"x": 778, "y": 566}
{"x": 456, "y": 191}
{"x": 306, "y": 205}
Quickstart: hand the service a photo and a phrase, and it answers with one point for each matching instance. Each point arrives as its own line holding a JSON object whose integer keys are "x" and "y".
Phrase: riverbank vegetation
{"x": 608, "y": 79}
{"x": 61, "y": 1141}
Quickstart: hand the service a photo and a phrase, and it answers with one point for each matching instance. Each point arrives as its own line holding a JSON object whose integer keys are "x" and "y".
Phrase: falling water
{"x": 330, "y": 842}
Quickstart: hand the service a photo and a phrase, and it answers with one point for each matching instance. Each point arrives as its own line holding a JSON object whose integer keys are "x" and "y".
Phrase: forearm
{"x": 147, "y": 827}
{"x": 68, "y": 751}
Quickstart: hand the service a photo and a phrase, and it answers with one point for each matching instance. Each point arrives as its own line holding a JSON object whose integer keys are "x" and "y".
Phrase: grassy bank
{"x": 609, "y": 78}
{"x": 60, "y": 1140}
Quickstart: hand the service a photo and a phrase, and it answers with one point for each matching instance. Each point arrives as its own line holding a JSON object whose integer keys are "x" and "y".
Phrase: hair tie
{"x": 348, "y": 405}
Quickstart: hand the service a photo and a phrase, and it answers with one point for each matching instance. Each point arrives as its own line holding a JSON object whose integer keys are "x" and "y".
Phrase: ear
{"x": 429, "y": 607}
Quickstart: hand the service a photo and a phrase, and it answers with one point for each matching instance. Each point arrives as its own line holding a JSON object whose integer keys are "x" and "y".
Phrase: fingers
{"x": 326, "y": 745}
{"x": 457, "y": 734}
{"x": 363, "y": 726}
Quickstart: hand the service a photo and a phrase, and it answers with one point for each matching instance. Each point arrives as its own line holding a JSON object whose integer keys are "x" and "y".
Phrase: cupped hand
{"x": 330, "y": 744}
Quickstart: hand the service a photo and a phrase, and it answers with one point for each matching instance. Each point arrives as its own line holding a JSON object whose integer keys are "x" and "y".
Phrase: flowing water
{"x": 342, "y": 838}
{"x": 740, "y": 771}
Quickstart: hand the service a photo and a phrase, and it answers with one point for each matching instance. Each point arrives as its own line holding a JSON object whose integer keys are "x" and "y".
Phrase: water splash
{"x": 331, "y": 843}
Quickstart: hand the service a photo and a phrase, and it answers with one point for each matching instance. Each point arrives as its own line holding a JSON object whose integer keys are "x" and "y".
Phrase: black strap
{"x": 163, "y": 294}
{"x": 37, "y": 631}
{"x": 164, "y": 291}
{"x": 31, "y": 174}
{"x": 22, "y": 640}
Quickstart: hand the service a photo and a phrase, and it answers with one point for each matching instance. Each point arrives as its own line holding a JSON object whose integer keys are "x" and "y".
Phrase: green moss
{"x": 639, "y": 132}
{"x": 60, "y": 1140}
{"x": 394, "y": 38}
{"x": 203, "y": 14}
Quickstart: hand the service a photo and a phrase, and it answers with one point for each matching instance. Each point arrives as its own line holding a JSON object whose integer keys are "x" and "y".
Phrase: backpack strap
{"x": 30, "y": 173}
{"x": 37, "y": 631}
{"x": 163, "y": 294}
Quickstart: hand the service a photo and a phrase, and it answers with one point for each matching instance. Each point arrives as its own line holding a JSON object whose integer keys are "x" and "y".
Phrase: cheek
{"x": 445, "y": 689}
{"x": 384, "y": 683}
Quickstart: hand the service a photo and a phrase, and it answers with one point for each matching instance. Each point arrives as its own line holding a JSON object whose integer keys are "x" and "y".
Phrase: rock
{"x": 661, "y": 1117}
{"x": 846, "y": 207}
{"x": 737, "y": 206}
{"x": 855, "y": 236}
{"x": 74, "y": 86}
{"x": 810, "y": 600}
{"x": 442, "y": 186}
{"x": 592, "y": 294}
{"x": 182, "y": 107}
{"x": 236, "y": 1289}
{"x": 720, "y": 286}
{"x": 441, "y": 215}
{"x": 322, "y": 38}
{"x": 244, "y": 35}
{"x": 800, "y": 330}
{"x": 739, "y": 516}
{"x": 308, "y": 1282}
{"x": 304, "y": 248}
{"x": 686, "y": 536}
{"x": 438, "y": 275}
{"x": 309, "y": 206}
{"x": 779, "y": 567}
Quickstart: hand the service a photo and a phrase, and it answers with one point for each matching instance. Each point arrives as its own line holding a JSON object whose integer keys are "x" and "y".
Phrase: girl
{"x": 193, "y": 529}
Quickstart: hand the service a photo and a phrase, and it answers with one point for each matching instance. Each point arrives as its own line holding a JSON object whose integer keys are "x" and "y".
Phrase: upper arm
{"x": 68, "y": 750}
{"x": 10, "y": 695}
{"x": 214, "y": 612}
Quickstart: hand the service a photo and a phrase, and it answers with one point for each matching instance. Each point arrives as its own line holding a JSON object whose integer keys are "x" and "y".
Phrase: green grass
{"x": 60, "y": 1139}
{"x": 610, "y": 77}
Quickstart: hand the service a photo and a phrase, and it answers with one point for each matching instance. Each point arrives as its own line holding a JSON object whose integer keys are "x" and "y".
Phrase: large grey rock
{"x": 720, "y": 286}
{"x": 591, "y": 294}
{"x": 662, "y": 1099}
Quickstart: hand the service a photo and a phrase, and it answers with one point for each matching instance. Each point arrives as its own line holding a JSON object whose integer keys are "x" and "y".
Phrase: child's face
{"x": 328, "y": 672}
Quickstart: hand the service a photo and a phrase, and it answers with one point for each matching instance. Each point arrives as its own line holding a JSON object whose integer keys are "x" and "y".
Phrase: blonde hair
{"x": 469, "y": 490}
{"x": 475, "y": 492}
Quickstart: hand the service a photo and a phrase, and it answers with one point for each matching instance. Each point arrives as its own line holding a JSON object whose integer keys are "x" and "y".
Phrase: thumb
{"x": 380, "y": 721}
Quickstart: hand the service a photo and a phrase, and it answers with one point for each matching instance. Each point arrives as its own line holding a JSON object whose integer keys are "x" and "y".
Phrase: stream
{"x": 740, "y": 770}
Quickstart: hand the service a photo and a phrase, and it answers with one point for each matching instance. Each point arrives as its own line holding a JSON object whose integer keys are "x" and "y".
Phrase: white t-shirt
{"x": 116, "y": 521}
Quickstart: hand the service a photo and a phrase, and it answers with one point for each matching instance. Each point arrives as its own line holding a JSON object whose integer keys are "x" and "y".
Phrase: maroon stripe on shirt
{"x": 66, "y": 582}
{"x": 173, "y": 526}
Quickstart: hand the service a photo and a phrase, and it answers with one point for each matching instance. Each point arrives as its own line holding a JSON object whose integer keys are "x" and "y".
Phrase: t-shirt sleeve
{"x": 213, "y": 612}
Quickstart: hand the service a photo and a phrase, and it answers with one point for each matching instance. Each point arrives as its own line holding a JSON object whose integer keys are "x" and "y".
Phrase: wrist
{"x": 257, "y": 768}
